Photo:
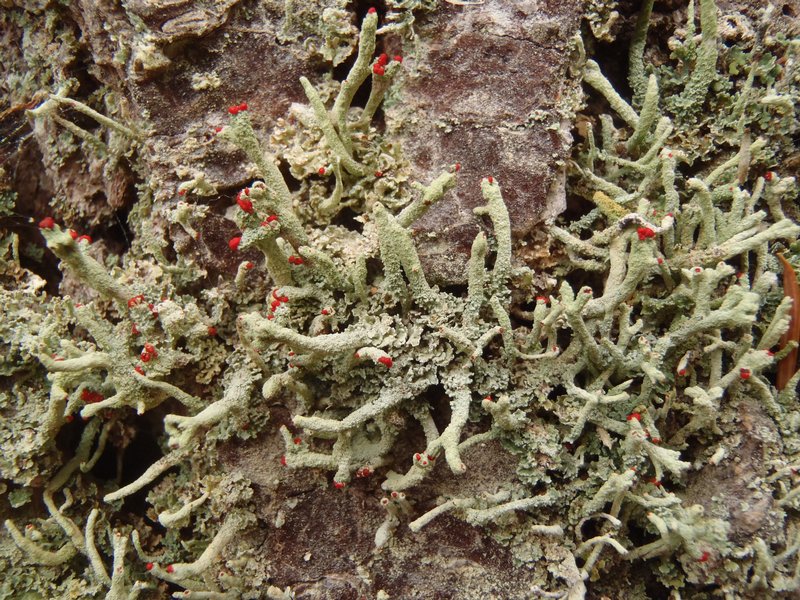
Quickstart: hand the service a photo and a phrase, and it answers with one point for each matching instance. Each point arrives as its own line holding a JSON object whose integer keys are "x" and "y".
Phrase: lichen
{"x": 614, "y": 391}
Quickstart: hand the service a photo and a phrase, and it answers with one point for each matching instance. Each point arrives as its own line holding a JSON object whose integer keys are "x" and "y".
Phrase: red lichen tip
{"x": 170, "y": 569}
{"x": 704, "y": 556}
{"x": 295, "y": 260}
{"x": 383, "y": 59}
{"x": 182, "y": 192}
{"x": 73, "y": 234}
{"x": 47, "y": 223}
{"x": 325, "y": 312}
{"x": 217, "y": 129}
{"x": 378, "y": 174}
{"x": 91, "y": 397}
{"x": 322, "y": 171}
{"x": 490, "y": 179}
{"x": 744, "y": 373}
{"x": 283, "y": 460}
{"x": 541, "y": 299}
{"x": 149, "y": 566}
{"x": 145, "y": 356}
{"x": 234, "y": 242}
{"x": 457, "y": 167}
{"x": 245, "y": 205}
{"x": 660, "y": 260}
{"x": 645, "y": 233}
{"x": 139, "y": 370}
{"x": 243, "y": 106}
{"x": 386, "y": 361}
{"x": 398, "y": 58}
{"x": 338, "y": 485}
{"x": 212, "y": 331}
{"x": 634, "y": 415}
{"x": 489, "y": 399}
{"x": 698, "y": 270}
{"x": 681, "y": 372}
{"x": 234, "y": 110}
{"x": 248, "y": 265}
{"x": 297, "y": 441}
{"x": 371, "y": 11}
{"x": 768, "y": 176}
{"x": 378, "y": 69}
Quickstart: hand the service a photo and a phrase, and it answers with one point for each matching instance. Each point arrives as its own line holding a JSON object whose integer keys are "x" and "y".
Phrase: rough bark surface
{"x": 485, "y": 93}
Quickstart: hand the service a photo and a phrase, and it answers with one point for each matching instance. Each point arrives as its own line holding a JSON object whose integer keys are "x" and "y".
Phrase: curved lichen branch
{"x": 335, "y": 143}
{"x": 399, "y": 257}
{"x": 90, "y": 360}
{"x": 494, "y": 506}
{"x": 182, "y": 430}
{"x": 48, "y": 108}
{"x": 358, "y": 72}
{"x": 264, "y": 330}
{"x": 163, "y": 464}
{"x": 636, "y": 67}
{"x": 39, "y": 555}
{"x": 450, "y": 437}
{"x": 389, "y": 397}
{"x": 72, "y": 253}
{"x": 278, "y": 198}
{"x": 380, "y": 84}
{"x": 429, "y": 196}
{"x": 77, "y": 541}
{"x": 476, "y": 278}
{"x": 496, "y": 210}
{"x": 594, "y": 77}
{"x": 181, "y": 572}
{"x": 647, "y": 117}
{"x": 705, "y": 67}
{"x": 423, "y": 464}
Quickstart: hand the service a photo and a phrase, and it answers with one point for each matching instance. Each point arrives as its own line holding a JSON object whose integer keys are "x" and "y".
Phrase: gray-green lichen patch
{"x": 323, "y": 417}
